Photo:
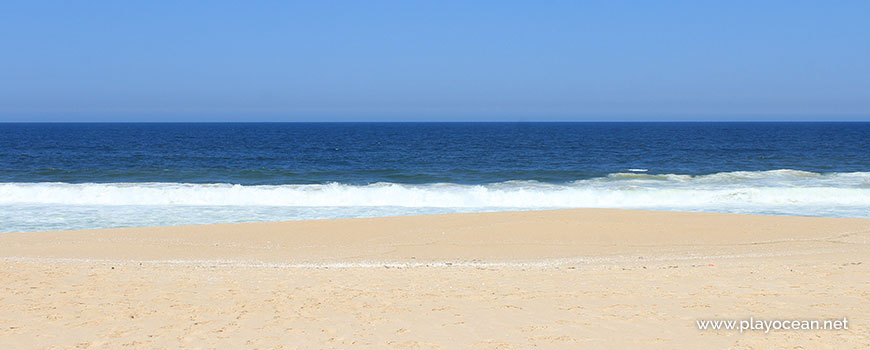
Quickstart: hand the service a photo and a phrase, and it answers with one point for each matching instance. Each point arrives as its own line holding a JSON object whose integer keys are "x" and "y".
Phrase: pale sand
{"x": 550, "y": 279}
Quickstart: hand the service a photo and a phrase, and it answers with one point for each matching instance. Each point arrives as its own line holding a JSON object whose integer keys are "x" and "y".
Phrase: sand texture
{"x": 565, "y": 279}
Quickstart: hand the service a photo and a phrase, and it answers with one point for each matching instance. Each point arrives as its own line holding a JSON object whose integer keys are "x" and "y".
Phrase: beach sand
{"x": 570, "y": 279}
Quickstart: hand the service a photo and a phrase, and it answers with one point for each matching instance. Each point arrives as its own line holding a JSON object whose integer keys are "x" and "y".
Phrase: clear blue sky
{"x": 433, "y": 60}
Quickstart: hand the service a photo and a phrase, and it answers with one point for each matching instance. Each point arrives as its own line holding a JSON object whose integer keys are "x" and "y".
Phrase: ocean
{"x": 93, "y": 175}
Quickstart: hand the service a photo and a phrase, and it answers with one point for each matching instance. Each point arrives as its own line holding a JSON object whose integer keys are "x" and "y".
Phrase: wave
{"x": 64, "y": 206}
{"x": 760, "y": 189}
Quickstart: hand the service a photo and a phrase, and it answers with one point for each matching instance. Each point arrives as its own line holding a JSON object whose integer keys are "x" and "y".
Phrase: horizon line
{"x": 431, "y": 121}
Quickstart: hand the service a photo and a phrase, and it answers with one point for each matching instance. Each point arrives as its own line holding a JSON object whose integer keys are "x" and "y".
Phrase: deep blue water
{"x": 72, "y": 176}
{"x": 416, "y": 153}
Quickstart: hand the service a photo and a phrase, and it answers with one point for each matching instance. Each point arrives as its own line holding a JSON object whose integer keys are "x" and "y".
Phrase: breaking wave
{"x": 778, "y": 187}
{"x": 789, "y": 192}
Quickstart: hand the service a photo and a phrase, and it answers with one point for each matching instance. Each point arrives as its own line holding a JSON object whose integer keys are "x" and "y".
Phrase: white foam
{"x": 106, "y": 205}
{"x": 617, "y": 190}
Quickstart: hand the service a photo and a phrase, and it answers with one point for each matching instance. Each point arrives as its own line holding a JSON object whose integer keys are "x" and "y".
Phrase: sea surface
{"x": 83, "y": 175}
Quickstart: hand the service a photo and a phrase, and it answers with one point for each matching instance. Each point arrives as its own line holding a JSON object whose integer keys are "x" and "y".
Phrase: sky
{"x": 434, "y": 60}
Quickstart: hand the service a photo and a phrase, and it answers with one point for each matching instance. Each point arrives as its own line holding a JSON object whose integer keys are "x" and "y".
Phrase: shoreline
{"x": 449, "y": 214}
{"x": 570, "y": 235}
